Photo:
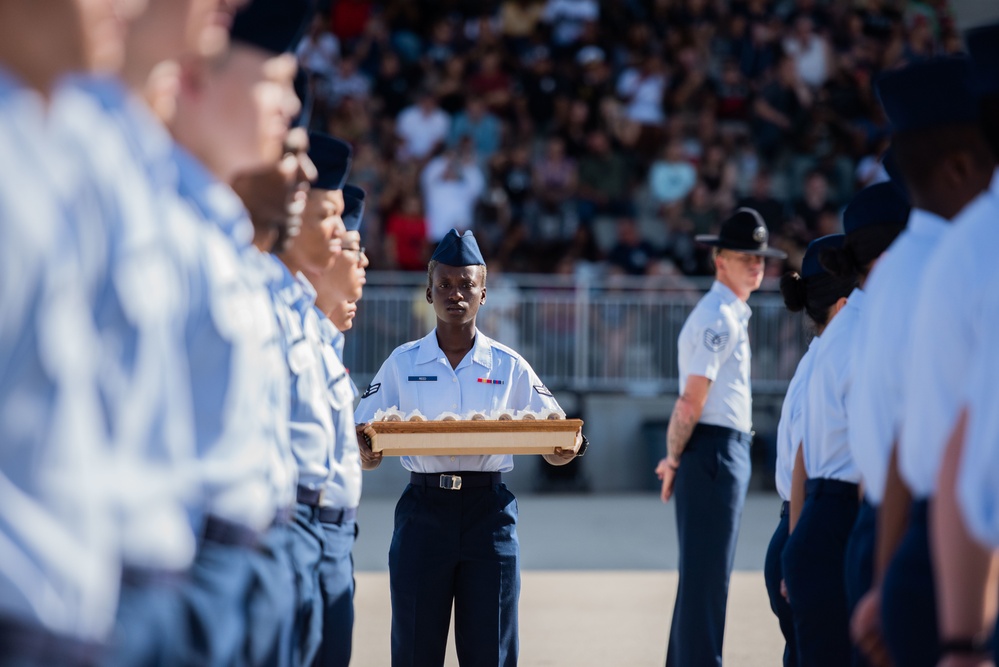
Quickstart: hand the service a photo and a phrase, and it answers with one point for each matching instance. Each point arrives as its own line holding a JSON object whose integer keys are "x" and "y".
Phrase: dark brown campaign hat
{"x": 743, "y": 232}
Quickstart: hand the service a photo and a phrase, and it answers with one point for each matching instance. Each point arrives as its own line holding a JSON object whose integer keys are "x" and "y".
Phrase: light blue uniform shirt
{"x": 311, "y": 419}
{"x": 883, "y": 347}
{"x": 418, "y": 376}
{"x": 791, "y": 427}
{"x": 343, "y": 489}
{"x": 950, "y": 301}
{"x": 136, "y": 292}
{"x": 58, "y": 551}
{"x": 714, "y": 343}
{"x": 977, "y": 490}
{"x": 826, "y": 450}
{"x": 230, "y": 326}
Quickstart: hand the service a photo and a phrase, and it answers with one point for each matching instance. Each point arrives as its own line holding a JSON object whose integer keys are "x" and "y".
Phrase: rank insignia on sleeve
{"x": 488, "y": 381}
{"x": 371, "y": 390}
{"x": 715, "y": 340}
{"x": 543, "y": 390}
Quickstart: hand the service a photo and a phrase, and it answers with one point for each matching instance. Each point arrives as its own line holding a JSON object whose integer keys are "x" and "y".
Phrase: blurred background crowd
{"x": 601, "y": 135}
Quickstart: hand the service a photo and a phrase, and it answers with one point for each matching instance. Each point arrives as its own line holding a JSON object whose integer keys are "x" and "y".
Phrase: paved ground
{"x": 598, "y": 583}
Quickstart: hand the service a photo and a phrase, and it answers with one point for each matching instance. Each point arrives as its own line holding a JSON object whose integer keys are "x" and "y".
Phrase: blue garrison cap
{"x": 983, "y": 45}
{"x": 455, "y": 250}
{"x": 929, "y": 94}
{"x": 276, "y": 26}
{"x": 353, "y": 207}
{"x": 810, "y": 265}
{"x": 878, "y": 204}
{"x": 332, "y": 159}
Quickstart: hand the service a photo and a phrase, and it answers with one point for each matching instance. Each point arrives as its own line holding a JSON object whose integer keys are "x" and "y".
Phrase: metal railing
{"x": 582, "y": 334}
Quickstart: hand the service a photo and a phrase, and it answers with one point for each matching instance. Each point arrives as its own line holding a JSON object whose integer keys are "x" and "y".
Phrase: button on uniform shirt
{"x": 134, "y": 286}
{"x": 826, "y": 450}
{"x": 311, "y": 419}
{"x": 343, "y": 489}
{"x": 714, "y": 343}
{"x": 418, "y": 376}
{"x": 883, "y": 347}
{"x": 791, "y": 427}
{"x": 950, "y": 299}
{"x": 58, "y": 552}
{"x": 228, "y": 326}
{"x": 977, "y": 491}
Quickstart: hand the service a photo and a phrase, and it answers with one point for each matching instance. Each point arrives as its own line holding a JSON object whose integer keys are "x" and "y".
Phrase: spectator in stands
{"x": 319, "y": 51}
{"x": 781, "y": 111}
{"x": 478, "y": 125}
{"x": 631, "y": 253}
{"x": 451, "y": 184}
{"x": 673, "y": 177}
{"x": 642, "y": 88}
{"x": 406, "y": 236}
{"x": 605, "y": 180}
{"x": 568, "y": 19}
{"x": 422, "y": 128}
{"x": 810, "y": 51}
{"x": 555, "y": 181}
{"x": 392, "y": 86}
{"x": 491, "y": 84}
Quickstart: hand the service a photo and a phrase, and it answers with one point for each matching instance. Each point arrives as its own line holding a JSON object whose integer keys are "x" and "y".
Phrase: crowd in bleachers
{"x": 609, "y": 132}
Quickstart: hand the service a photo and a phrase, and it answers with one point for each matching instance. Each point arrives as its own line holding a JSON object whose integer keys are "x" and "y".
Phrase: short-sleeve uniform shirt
{"x": 791, "y": 427}
{"x": 418, "y": 376}
{"x": 882, "y": 348}
{"x": 343, "y": 488}
{"x": 825, "y": 449}
{"x": 977, "y": 490}
{"x": 714, "y": 343}
{"x": 950, "y": 302}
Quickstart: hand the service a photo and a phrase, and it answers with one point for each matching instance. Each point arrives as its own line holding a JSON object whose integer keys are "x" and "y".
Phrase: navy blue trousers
{"x": 151, "y": 627}
{"x": 709, "y": 492}
{"x": 908, "y": 598}
{"x": 814, "y": 560}
{"x": 455, "y": 547}
{"x": 859, "y": 572}
{"x": 773, "y": 572}
{"x": 270, "y": 610}
{"x": 305, "y": 547}
{"x": 336, "y": 578}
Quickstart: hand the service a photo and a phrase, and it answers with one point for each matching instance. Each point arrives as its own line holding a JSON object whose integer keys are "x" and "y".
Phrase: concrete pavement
{"x": 598, "y": 582}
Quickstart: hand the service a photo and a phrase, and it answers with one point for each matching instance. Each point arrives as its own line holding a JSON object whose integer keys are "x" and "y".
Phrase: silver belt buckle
{"x": 451, "y": 482}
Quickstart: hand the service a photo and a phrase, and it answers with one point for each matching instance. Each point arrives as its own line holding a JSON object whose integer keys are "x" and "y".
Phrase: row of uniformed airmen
{"x": 179, "y": 470}
{"x": 888, "y": 451}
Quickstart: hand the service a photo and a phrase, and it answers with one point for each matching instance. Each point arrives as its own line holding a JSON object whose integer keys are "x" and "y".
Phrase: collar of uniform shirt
{"x": 430, "y": 350}
{"x": 727, "y": 296}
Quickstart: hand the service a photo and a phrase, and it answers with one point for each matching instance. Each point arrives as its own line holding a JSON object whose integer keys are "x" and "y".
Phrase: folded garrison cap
{"x": 455, "y": 250}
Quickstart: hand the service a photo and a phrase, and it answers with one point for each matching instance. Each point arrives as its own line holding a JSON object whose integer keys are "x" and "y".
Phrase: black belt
{"x": 714, "y": 431}
{"x": 310, "y": 497}
{"x": 142, "y": 577}
{"x": 455, "y": 481}
{"x": 228, "y": 533}
{"x": 336, "y": 515}
{"x": 785, "y": 507}
{"x": 832, "y": 487}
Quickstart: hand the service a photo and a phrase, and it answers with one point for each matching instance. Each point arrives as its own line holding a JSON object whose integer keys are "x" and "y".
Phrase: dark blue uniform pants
{"x": 28, "y": 645}
{"x": 270, "y": 610}
{"x": 814, "y": 560}
{"x": 455, "y": 547}
{"x": 859, "y": 572}
{"x": 151, "y": 628}
{"x": 336, "y": 576}
{"x": 306, "y": 549}
{"x": 908, "y": 598}
{"x": 710, "y": 491}
{"x": 772, "y": 574}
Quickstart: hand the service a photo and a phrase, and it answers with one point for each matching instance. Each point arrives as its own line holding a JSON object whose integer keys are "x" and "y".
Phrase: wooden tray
{"x": 451, "y": 438}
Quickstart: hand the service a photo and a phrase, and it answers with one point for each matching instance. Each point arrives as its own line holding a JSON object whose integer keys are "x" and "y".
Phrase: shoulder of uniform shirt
{"x": 501, "y": 348}
{"x": 406, "y": 347}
